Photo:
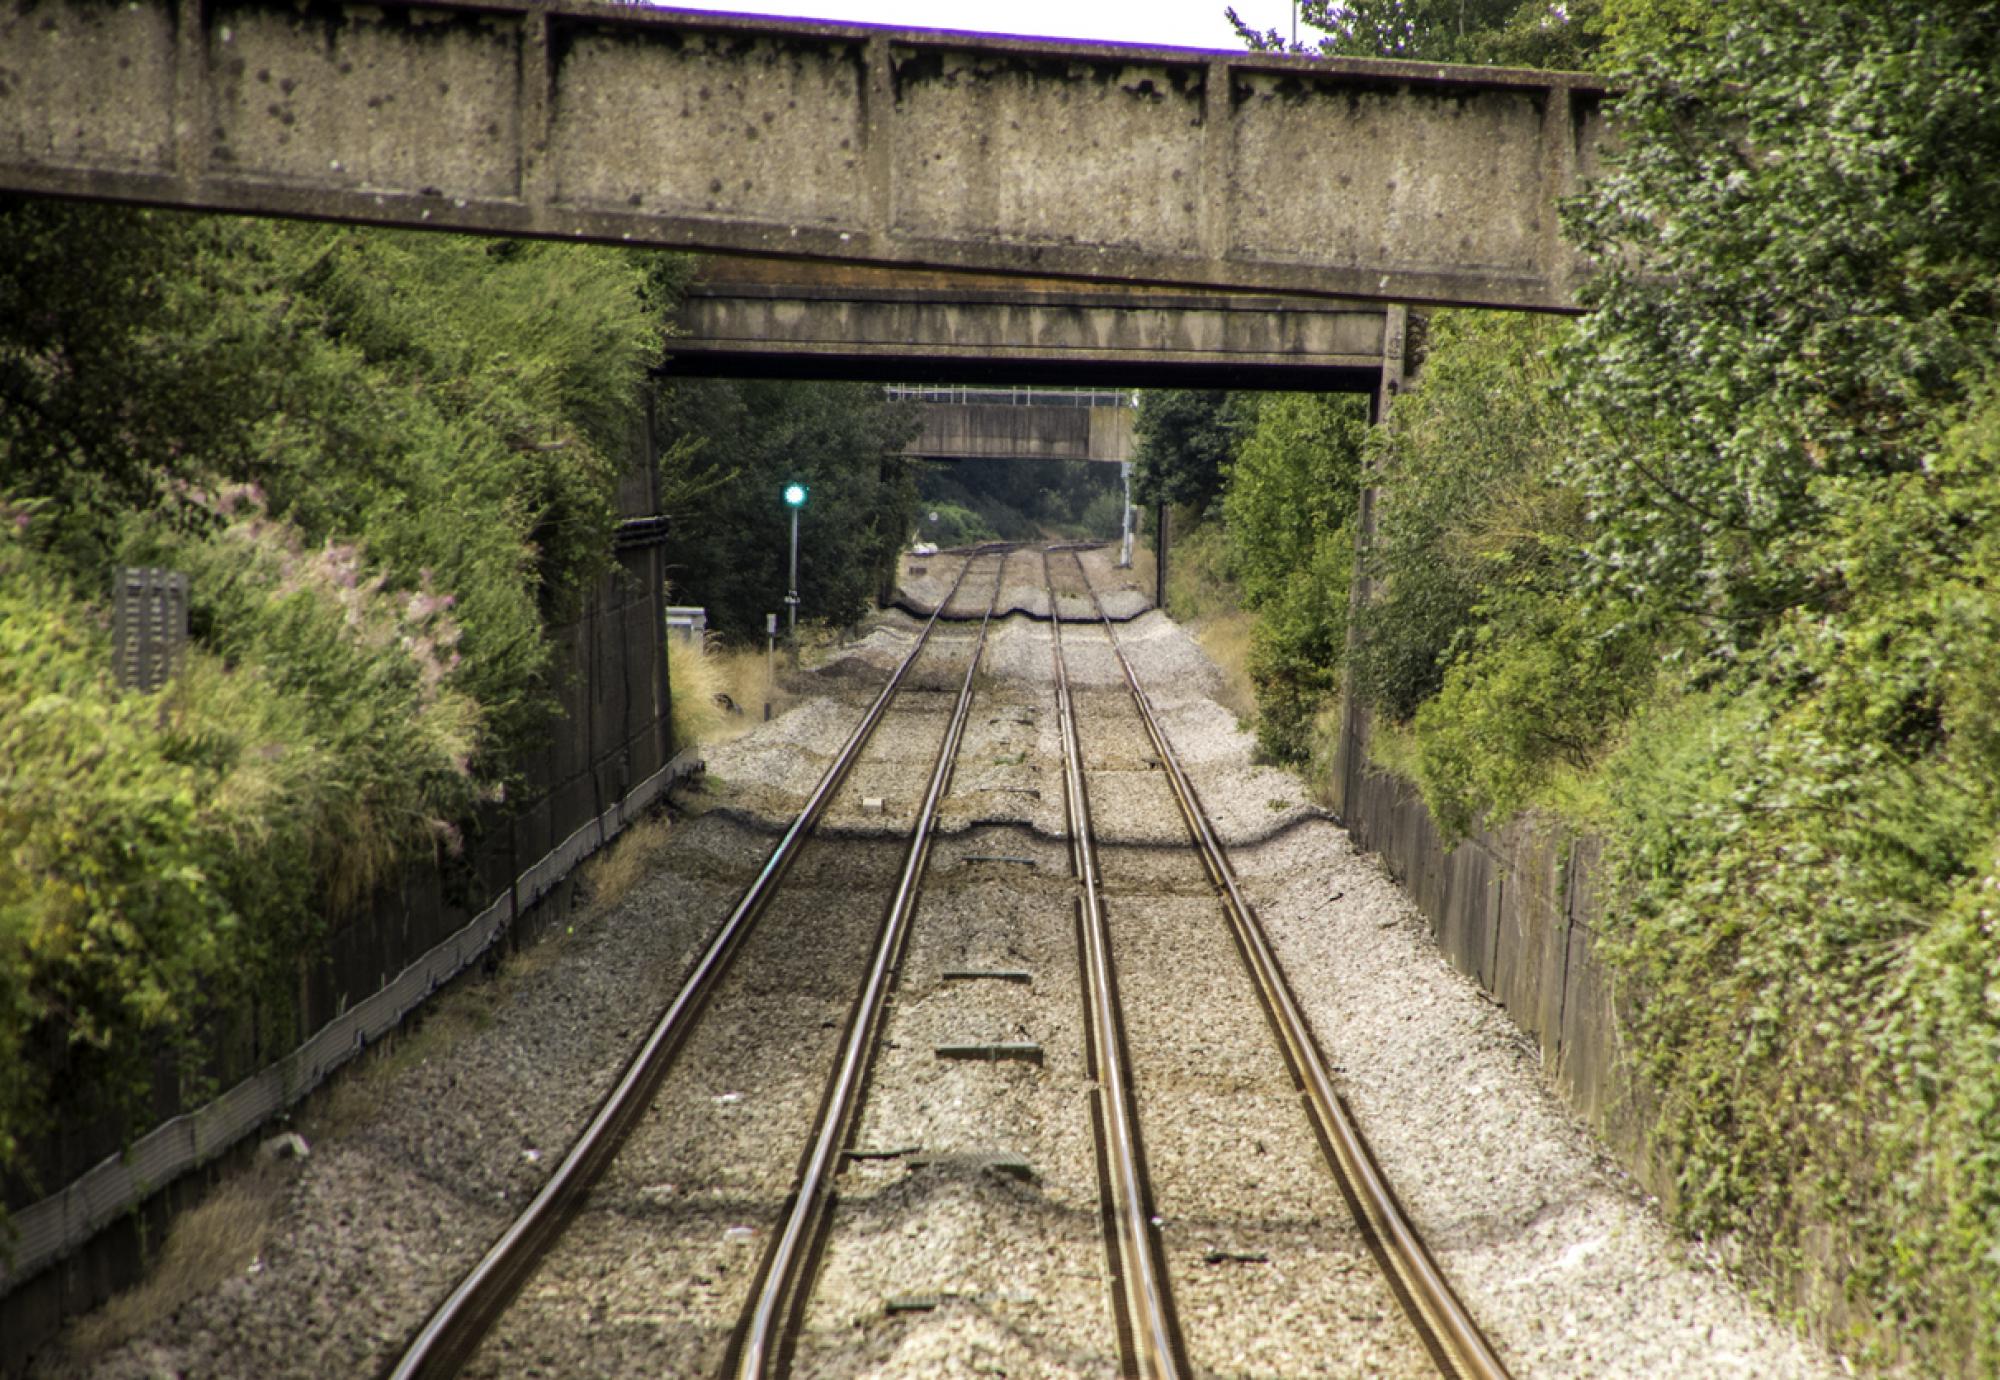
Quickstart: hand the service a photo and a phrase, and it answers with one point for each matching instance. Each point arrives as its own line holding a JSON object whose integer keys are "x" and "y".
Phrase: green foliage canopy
{"x": 1733, "y": 558}
{"x": 387, "y": 462}
{"x": 1288, "y": 515}
{"x": 843, "y": 441}
{"x": 1798, "y": 243}
{"x": 1508, "y": 33}
{"x": 1183, "y": 441}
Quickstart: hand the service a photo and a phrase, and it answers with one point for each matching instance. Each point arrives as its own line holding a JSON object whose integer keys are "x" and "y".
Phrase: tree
{"x": 1510, "y": 33}
{"x": 843, "y": 441}
{"x": 1799, "y": 285}
{"x": 1184, "y": 440}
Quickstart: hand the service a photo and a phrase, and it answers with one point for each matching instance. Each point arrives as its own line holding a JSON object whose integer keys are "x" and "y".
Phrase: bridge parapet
{"x": 788, "y": 319}
{"x": 1024, "y": 431}
{"x": 1027, "y": 395}
{"x": 1380, "y": 180}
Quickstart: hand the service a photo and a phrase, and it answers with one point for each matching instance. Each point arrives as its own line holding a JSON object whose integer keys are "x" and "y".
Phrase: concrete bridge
{"x": 1021, "y": 424}
{"x": 791, "y": 319}
{"x": 1253, "y": 172}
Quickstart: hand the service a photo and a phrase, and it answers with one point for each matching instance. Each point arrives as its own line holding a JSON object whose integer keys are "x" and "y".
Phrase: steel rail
{"x": 458, "y": 1324}
{"x": 1447, "y": 1328}
{"x": 1146, "y": 1308}
{"x": 764, "y": 1340}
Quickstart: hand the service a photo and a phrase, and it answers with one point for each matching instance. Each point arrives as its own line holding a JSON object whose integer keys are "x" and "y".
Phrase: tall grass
{"x": 719, "y": 690}
{"x": 167, "y": 855}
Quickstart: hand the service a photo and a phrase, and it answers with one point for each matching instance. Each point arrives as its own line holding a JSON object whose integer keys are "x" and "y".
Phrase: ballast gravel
{"x": 968, "y": 1243}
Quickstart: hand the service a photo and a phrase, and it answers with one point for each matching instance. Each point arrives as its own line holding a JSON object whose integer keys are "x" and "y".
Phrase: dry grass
{"x": 1144, "y": 569}
{"x": 1325, "y": 752}
{"x": 1225, "y": 635}
{"x": 719, "y": 692}
{"x": 221, "y": 1238}
{"x": 609, "y": 877}
{"x": 1392, "y": 747}
{"x": 694, "y": 680}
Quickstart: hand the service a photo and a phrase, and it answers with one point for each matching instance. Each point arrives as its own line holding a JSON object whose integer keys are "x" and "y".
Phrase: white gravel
{"x": 1567, "y": 1266}
{"x": 1570, "y": 1271}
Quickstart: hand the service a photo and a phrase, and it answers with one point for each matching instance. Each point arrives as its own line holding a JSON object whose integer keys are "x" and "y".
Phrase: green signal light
{"x": 795, "y": 495}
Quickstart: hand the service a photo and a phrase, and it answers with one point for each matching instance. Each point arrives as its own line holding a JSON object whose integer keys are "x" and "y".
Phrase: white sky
{"x": 1180, "y": 23}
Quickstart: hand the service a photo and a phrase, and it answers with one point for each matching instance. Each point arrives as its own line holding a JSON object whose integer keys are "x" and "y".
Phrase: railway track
{"x": 1024, "y": 1149}
{"x": 1448, "y": 1333}
{"x": 450, "y": 1335}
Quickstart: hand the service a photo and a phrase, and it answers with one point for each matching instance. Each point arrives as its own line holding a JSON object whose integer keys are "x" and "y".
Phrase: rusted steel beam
{"x": 1377, "y": 180}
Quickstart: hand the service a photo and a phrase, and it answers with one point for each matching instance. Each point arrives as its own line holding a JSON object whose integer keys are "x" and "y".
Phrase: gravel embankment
{"x": 984, "y": 1235}
{"x": 1567, "y": 1267}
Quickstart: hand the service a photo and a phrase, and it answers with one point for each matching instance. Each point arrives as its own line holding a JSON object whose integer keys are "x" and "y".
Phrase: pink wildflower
{"x": 447, "y": 833}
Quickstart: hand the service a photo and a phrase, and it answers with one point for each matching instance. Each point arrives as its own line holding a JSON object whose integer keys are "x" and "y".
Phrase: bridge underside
{"x": 766, "y": 318}
{"x": 1384, "y": 181}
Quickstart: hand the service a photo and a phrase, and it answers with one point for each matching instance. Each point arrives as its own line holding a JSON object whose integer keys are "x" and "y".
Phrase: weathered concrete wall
{"x": 980, "y": 431}
{"x": 1367, "y": 179}
{"x": 612, "y": 737}
{"x": 773, "y": 317}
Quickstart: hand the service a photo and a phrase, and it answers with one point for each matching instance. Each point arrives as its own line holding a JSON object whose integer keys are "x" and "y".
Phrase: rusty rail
{"x": 1448, "y": 1330}
{"x": 451, "y": 1332}
{"x": 763, "y": 1343}
{"x": 1147, "y": 1324}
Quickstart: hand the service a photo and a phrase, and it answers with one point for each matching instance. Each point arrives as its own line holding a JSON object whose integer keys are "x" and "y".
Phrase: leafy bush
{"x": 1733, "y": 555}
{"x": 1808, "y": 872}
{"x": 1299, "y": 646}
{"x": 1295, "y": 479}
{"x": 1103, "y": 515}
{"x": 1468, "y": 503}
{"x": 956, "y": 525}
{"x": 1537, "y": 688}
{"x": 1200, "y": 578}
{"x": 1799, "y": 282}
{"x": 1024, "y": 499}
{"x": 164, "y": 856}
{"x": 467, "y": 406}
{"x": 387, "y": 461}
{"x": 1288, "y": 512}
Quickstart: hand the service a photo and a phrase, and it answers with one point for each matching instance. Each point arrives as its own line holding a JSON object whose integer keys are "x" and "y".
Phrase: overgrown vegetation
{"x": 1017, "y": 500}
{"x": 386, "y": 462}
{"x": 390, "y": 465}
{"x": 1712, "y": 572}
{"x": 1275, "y": 536}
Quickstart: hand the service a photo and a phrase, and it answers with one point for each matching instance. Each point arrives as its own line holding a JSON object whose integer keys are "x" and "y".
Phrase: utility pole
{"x": 1160, "y": 554}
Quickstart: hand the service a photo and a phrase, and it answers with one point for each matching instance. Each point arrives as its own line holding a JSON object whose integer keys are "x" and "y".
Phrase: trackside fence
{"x": 80, "y": 1225}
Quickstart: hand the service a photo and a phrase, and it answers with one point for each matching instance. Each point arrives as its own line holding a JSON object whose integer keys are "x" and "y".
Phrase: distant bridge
{"x": 1021, "y": 424}
{"x": 1254, "y": 172}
